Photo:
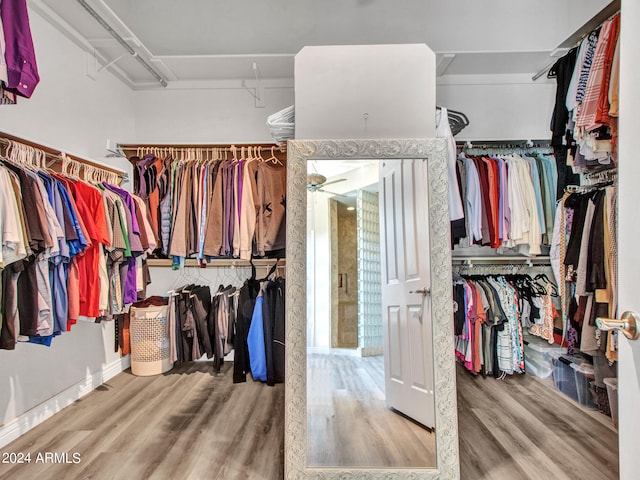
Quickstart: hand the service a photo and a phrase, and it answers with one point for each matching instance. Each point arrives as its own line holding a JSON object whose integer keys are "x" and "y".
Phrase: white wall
{"x": 365, "y": 91}
{"x": 72, "y": 112}
{"x": 68, "y": 110}
{"x": 500, "y": 107}
{"x": 213, "y": 115}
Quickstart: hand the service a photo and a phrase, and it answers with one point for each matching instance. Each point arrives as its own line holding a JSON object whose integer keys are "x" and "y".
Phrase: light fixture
{"x": 351, "y": 209}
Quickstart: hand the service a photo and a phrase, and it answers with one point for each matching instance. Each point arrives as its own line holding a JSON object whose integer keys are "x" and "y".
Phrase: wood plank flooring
{"x": 521, "y": 428}
{"x": 186, "y": 424}
{"x": 345, "y": 401}
{"x": 190, "y": 424}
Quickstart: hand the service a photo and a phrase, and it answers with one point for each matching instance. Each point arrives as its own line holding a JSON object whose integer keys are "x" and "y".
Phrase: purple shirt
{"x": 129, "y": 202}
{"x": 128, "y": 268}
{"x": 22, "y": 71}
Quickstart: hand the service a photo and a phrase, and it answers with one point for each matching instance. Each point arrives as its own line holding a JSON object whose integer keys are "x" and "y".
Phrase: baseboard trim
{"x": 25, "y": 422}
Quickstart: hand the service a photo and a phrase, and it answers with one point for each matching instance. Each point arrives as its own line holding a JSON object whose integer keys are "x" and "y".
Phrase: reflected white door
{"x": 628, "y": 235}
{"x": 404, "y": 235}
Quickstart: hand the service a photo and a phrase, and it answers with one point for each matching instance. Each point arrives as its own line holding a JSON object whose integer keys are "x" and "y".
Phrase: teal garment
{"x": 548, "y": 198}
{"x": 552, "y": 180}
{"x": 255, "y": 343}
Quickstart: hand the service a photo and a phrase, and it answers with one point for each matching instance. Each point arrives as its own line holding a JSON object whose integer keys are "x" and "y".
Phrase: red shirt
{"x": 91, "y": 209}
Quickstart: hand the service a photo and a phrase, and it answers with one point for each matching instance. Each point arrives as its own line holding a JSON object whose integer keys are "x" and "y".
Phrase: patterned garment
{"x": 549, "y": 314}
{"x": 600, "y": 68}
{"x": 586, "y": 66}
{"x": 6, "y": 98}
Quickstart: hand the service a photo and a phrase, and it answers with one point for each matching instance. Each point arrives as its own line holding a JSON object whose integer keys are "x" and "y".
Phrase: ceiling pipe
{"x": 122, "y": 42}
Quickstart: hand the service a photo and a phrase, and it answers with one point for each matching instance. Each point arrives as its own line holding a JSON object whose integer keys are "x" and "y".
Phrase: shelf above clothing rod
{"x": 218, "y": 262}
{"x": 56, "y": 157}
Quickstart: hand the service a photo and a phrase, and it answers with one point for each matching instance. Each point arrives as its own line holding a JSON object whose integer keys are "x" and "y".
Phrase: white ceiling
{"x": 190, "y": 42}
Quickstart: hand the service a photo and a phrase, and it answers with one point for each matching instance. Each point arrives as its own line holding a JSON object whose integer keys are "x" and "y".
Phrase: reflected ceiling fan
{"x": 317, "y": 182}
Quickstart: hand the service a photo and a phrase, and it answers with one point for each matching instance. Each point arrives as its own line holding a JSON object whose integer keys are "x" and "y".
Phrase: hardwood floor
{"x": 348, "y": 423}
{"x": 186, "y": 424}
{"x": 521, "y": 428}
{"x": 190, "y": 424}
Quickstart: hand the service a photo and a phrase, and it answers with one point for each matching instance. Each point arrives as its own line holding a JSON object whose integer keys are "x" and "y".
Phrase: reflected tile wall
{"x": 369, "y": 283}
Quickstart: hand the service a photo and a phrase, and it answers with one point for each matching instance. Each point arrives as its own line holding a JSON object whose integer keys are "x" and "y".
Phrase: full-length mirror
{"x": 363, "y": 288}
{"x": 370, "y": 373}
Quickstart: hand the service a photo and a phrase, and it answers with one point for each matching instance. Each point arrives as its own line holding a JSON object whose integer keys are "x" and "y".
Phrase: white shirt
{"x": 443, "y": 130}
{"x": 11, "y": 235}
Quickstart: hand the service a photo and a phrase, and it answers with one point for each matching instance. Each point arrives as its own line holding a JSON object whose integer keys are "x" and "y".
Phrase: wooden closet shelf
{"x": 55, "y": 156}
{"x": 218, "y": 263}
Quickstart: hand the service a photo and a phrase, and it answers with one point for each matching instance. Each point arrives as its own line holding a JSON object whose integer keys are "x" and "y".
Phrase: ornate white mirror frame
{"x": 446, "y": 430}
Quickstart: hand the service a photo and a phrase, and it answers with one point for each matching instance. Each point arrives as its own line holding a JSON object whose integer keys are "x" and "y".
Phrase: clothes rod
{"x": 504, "y": 143}
{"x": 204, "y": 150}
{"x": 58, "y": 157}
{"x": 168, "y": 146}
{"x": 122, "y": 42}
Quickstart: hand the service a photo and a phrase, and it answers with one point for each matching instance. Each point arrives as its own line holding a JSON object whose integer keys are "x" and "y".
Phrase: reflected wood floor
{"x": 189, "y": 424}
{"x": 185, "y": 424}
{"x": 345, "y": 401}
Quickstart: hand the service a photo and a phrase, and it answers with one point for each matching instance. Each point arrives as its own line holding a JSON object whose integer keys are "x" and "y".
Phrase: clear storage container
{"x": 536, "y": 356}
{"x": 584, "y": 376}
{"x": 563, "y": 376}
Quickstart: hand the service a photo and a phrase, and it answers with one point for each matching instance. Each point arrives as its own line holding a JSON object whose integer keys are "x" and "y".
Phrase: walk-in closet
{"x": 268, "y": 240}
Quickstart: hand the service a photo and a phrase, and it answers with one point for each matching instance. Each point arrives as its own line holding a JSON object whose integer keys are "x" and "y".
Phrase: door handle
{"x": 424, "y": 291}
{"x": 629, "y": 324}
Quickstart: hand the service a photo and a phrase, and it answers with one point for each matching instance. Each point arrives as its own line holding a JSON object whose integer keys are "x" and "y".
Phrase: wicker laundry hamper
{"x": 149, "y": 330}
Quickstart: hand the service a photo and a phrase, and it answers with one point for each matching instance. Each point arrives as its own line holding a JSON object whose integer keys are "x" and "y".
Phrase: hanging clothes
{"x": 443, "y": 130}
{"x": 248, "y": 321}
{"x": 214, "y": 208}
{"x": 584, "y": 122}
{"x": 491, "y": 315}
{"x": 54, "y": 258}
{"x": 509, "y": 201}
{"x": 585, "y": 242}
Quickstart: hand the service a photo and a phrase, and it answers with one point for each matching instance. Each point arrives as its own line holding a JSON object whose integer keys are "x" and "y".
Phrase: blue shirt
{"x": 255, "y": 343}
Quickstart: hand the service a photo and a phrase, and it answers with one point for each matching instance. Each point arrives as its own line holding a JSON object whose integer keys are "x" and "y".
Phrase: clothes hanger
{"x": 273, "y": 157}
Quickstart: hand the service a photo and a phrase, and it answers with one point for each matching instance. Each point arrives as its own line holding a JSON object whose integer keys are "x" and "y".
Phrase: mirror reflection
{"x": 370, "y": 399}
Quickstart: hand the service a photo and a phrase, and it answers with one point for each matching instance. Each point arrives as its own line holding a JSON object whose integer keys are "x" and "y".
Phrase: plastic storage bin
{"x": 563, "y": 376}
{"x": 612, "y": 391}
{"x": 149, "y": 341}
{"x": 584, "y": 376}
{"x": 536, "y": 356}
